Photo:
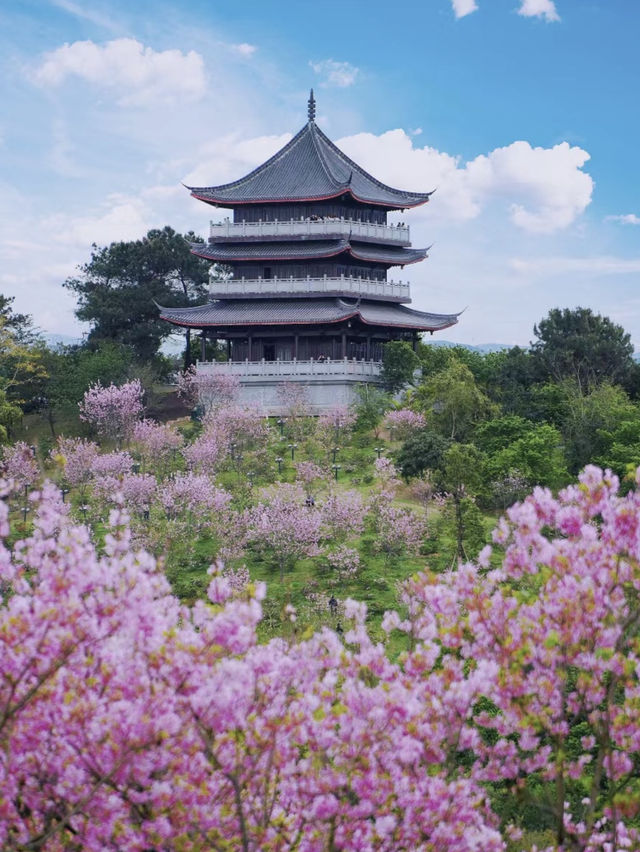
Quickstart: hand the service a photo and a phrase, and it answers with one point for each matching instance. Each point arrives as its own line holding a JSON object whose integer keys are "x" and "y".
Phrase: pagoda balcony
{"x": 309, "y": 228}
{"x": 339, "y": 285}
{"x": 329, "y": 370}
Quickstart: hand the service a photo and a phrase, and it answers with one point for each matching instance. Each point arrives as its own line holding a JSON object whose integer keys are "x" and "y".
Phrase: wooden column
{"x": 250, "y": 348}
{"x": 344, "y": 344}
{"x": 368, "y": 354}
{"x": 414, "y": 342}
{"x": 203, "y": 345}
{"x": 228, "y": 348}
{"x": 295, "y": 346}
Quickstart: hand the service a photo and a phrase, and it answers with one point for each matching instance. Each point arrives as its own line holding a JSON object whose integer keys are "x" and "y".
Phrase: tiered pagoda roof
{"x": 265, "y": 312}
{"x": 226, "y": 253}
{"x": 309, "y": 168}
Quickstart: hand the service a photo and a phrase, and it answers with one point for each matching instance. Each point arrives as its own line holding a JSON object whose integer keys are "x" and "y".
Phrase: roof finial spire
{"x": 312, "y": 107}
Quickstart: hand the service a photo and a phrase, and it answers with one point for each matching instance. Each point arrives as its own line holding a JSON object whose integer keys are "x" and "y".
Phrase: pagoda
{"x": 308, "y": 298}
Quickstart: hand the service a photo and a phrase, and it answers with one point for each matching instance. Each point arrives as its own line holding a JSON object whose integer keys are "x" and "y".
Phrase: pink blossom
{"x": 211, "y": 390}
{"x": 403, "y": 422}
{"x": 112, "y": 464}
{"x": 335, "y": 425}
{"x": 138, "y": 490}
{"x": 343, "y": 514}
{"x": 311, "y": 475}
{"x": 345, "y": 560}
{"x": 194, "y": 493}
{"x": 77, "y": 456}
{"x": 284, "y": 526}
{"x": 155, "y": 440}
{"x": 113, "y": 411}
{"x": 19, "y": 464}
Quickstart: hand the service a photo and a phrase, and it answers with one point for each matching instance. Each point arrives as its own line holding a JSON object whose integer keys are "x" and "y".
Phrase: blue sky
{"x": 522, "y": 113}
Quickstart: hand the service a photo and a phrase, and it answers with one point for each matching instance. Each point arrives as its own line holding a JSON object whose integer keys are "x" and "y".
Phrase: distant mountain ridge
{"x": 53, "y": 340}
{"x": 483, "y": 348}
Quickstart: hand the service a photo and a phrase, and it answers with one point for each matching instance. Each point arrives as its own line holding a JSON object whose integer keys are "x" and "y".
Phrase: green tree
{"x": 371, "y": 406}
{"x": 10, "y": 416}
{"x": 588, "y": 421}
{"x": 508, "y": 377}
{"x": 71, "y": 370}
{"x": 117, "y": 289}
{"x": 462, "y": 477}
{"x": 582, "y": 346}
{"x": 621, "y": 447}
{"x": 493, "y": 435}
{"x": 537, "y": 455}
{"x": 22, "y": 371}
{"x": 422, "y": 451}
{"x": 399, "y": 363}
{"x": 20, "y": 325}
{"x": 462, "y": 521}
{"x": 452, "y": 401}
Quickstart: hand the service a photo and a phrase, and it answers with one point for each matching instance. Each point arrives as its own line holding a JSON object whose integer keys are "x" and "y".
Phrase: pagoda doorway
{"x": 269, "y": 352}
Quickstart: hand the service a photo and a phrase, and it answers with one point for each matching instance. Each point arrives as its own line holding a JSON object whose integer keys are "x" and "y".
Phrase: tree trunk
{"x": 459, "y": 529}
{"x": 187, "y": 349}
{"x": 51, "y": 421}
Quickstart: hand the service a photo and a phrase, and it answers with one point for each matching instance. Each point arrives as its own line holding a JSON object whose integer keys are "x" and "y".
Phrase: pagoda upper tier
{"x": 309, "y": 168}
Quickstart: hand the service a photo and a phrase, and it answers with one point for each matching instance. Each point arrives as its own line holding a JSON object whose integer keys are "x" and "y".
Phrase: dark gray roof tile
{"x": 306, "y": 249}
{"x": 257, "y": 312}
{"x": 309, "y": 167}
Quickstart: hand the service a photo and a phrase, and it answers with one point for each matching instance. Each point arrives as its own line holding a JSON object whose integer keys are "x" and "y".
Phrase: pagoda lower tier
{"x": 329, "y": 345}
{"x": 300, "y": 329}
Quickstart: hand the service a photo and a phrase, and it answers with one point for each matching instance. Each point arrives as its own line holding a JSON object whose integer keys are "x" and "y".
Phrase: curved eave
{"x": 392, "y": 256}
{"x": 403, "y": 319}
{"x": 245, "y": 324}
{"x": 208, "y": 253}
{"x": 451, "y": 321}
{"x": 221, "y": 201}
{"x": 415, "y": 256}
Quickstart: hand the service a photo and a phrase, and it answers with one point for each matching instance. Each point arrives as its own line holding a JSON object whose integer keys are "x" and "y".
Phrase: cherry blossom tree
{"x": 155, "y": 441}
{"x": 19, "y": 465}
{"x": 114, "y": 410}
{"x": 211, "y": 390}
{"x": 283, "y": 526}
{"x": 129, "y": 721}
{"x": 311, "y": 475}
{"x": 76, "y": 456}
{"x": 403, "y": 422}
{"x": 343, "y": 514}
{"x": 195, "y": 493}
{"x": 334, "y": 425}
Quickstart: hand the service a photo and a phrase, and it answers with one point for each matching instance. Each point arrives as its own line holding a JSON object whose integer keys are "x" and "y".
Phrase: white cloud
{"x": 340, "y": 74}
{"x": 539, "y": 9}
{"x": 230, "y": 157}
{"x": 243, "y": 49}
{"x": 136, "y": 74}
{"x": 543, "y": 189}
{"x": 625, "y": 219}
{"x": 120, "y": 217}
{"x": 463, "y": 7}
{"x": 592, "y": 266}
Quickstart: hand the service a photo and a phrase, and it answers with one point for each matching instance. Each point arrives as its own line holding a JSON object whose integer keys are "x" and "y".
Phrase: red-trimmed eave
{"x": 312, "y": 257}
{"x": 390, "y": 262}
{"x": 254, "y": 322}
{"x": 254, "y": 257}
{"x": 224, "y": 202}
{"x": 183, "y": 324}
